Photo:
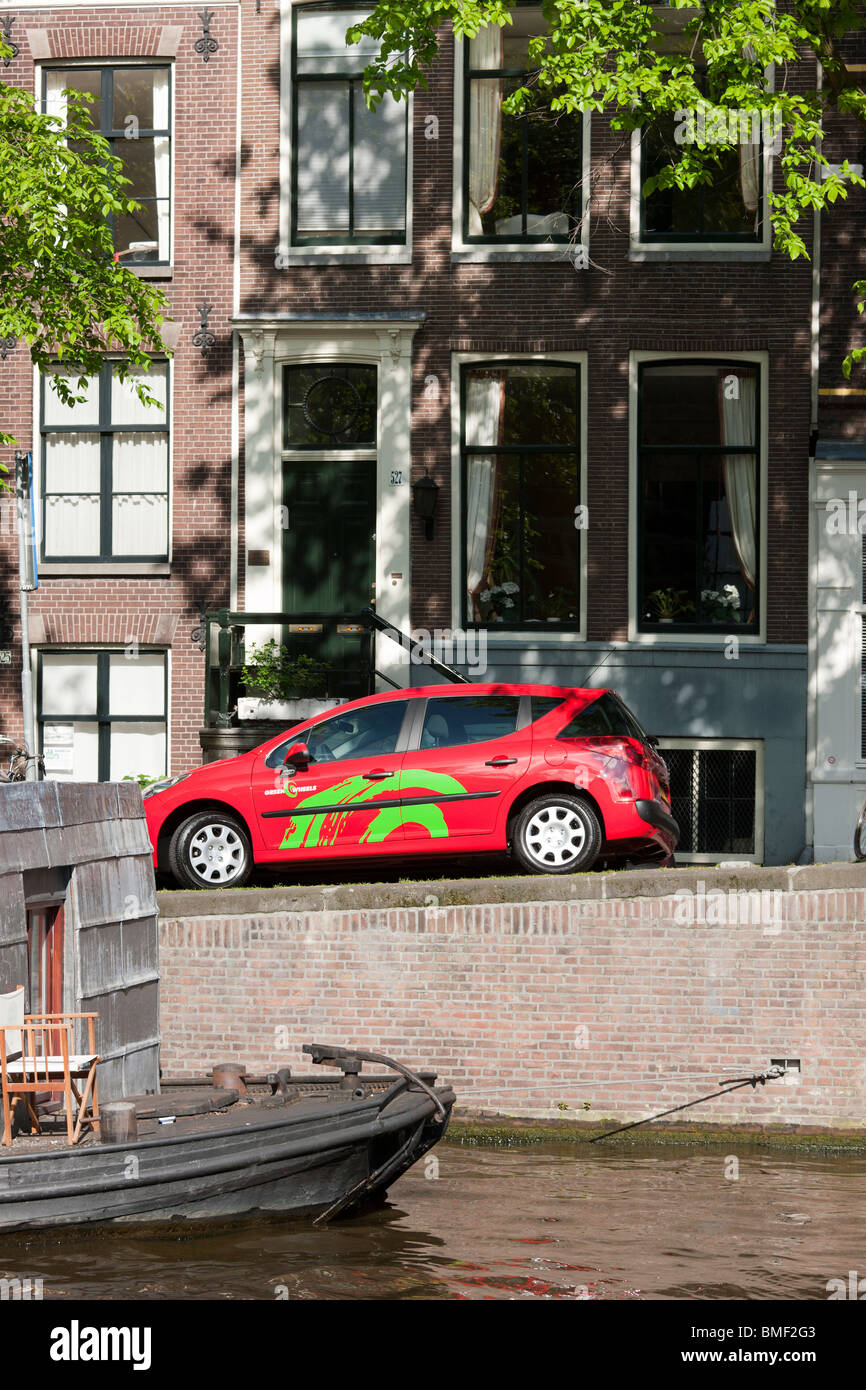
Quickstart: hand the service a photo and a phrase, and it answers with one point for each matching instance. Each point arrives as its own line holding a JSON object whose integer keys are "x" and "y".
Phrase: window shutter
{"x": 380, "y": 165}
{"x": 323, "y": 157}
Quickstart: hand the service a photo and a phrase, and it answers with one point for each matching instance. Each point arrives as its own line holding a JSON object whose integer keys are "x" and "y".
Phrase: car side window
{"x": 544, "y": 704}
{"x": 450, "y": 721}
{"x": 601, "y": 718}
{"x": 371, "y": 731}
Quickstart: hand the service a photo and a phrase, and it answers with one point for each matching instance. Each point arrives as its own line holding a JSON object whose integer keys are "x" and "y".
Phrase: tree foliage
{"x": 621, "y": 57}
{"x": 62, "y": 293}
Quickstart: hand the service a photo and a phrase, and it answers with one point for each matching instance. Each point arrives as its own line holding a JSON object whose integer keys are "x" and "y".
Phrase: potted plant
{"x": 665, "y": 605}
{"x": 283, "y": 687}
{"x": 721, "y": 605}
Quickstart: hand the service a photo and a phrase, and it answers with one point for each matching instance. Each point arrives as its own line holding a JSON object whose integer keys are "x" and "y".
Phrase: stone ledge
{"x": 601, "y": 887}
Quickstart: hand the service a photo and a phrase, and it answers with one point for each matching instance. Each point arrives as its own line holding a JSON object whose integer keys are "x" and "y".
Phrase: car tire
{"x": 556, "y": 834}
{"x": 210, "y": 850}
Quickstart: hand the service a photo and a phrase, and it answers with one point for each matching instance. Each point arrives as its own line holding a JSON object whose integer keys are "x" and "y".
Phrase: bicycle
{"x": 19, "y": 760}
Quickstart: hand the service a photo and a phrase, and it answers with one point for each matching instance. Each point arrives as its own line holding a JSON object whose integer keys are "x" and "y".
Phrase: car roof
{"x": 488, "y": 688}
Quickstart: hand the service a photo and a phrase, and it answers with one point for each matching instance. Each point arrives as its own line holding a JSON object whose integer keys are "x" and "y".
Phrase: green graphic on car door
{"x": 317, "y": 829}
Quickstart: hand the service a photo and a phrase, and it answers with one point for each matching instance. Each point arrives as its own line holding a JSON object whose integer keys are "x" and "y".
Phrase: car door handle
{"x": 376, "y": 775}
{"x": 500, "y": 762}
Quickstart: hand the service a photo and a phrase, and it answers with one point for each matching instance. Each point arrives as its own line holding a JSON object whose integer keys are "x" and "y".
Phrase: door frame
{"x": 384, "y": 341}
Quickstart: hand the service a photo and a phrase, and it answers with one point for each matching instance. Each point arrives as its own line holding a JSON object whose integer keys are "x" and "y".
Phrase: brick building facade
{"x": 390, "y": 301}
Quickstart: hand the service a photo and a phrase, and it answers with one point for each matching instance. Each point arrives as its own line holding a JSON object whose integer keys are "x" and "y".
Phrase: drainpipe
{"x": 815, "y": 363}
{"x": 23, "y": 494}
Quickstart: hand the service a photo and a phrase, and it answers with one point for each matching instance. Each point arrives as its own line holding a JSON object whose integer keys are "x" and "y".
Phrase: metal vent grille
{"x": 713, "y": 798}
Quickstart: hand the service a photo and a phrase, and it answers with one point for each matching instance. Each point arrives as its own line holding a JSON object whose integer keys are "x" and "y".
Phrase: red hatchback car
{"x": 558, "y": 777}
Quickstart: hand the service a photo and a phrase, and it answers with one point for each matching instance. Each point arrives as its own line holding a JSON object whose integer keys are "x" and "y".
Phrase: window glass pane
{"x": 461, "y": 719}
{"x": 321, "y": 41}
{"x": 56, "y": 413}
{"x": 71, "y": 751}
{"x": 139, "y": 525}
{"x": 323, "y": 157}
{"x": 137, "y": 749}
{"x": 380, "y": 165}
{"x": 726, "y": 210}
{"x": 370, "y": 731}
{"x": 329, "y": 406}
{"x": 68, "y": 683}
{"x": 142, "y": 93}
{"x": 127, "y": 409}
{"x": 692, "y": 403}
{"x": 80, "y": 80}
{"x": 71, "y": 526}
{"x": 72, "y": 463}
{"x": 136, "y": 685}
{"x": 549, "y": 538}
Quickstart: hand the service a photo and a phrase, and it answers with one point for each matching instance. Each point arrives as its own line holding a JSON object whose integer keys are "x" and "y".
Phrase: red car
{"x": 558, "y": 777}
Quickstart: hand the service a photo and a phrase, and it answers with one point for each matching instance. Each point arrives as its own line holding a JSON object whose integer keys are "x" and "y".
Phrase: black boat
{"x": 291, "y": 1144}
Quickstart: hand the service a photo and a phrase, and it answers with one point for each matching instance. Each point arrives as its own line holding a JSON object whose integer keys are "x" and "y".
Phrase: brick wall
{"x": 524, "y": 1006}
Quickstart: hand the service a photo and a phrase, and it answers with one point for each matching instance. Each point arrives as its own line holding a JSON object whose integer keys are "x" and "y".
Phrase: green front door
{"x": 329, "y": 551}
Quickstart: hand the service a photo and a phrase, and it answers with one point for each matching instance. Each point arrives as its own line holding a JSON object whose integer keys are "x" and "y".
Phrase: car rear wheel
{"x": 210, "y": 850}
{"x": 557, "y": 834}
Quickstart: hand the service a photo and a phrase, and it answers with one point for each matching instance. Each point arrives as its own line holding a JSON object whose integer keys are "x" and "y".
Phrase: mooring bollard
{"x": 117, "y": 1122}
{"x": 232, "y": 1076}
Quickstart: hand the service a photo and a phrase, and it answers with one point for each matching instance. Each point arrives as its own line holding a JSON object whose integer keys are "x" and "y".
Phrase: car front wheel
{"x": 556, "y": 834}
{"x": 210, "y": 850}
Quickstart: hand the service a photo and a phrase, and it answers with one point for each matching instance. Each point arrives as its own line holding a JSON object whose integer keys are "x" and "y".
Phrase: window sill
{"x": 695, "y": 251}
{"x": 465, "y": 254}
{"x": 349, "y": 255}
{"x": 152, "y": 272}
{"x": 95, "y": 569}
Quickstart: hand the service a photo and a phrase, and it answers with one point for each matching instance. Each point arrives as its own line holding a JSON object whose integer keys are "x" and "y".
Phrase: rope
{"x": 734, "y": 1084}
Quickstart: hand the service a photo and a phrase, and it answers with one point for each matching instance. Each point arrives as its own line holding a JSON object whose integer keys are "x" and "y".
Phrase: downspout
{"x": 236, "y": 300}
{"x": 812, "y": 681}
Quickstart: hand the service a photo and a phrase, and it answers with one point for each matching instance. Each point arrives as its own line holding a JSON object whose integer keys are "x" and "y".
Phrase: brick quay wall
{"x": 527, "y": 1006}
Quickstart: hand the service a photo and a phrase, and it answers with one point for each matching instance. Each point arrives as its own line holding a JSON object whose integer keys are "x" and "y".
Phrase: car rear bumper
{"x": 655, "y": 815}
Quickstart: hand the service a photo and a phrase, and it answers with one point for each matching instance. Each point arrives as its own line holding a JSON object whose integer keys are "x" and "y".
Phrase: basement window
{"x": 717, "y": 798}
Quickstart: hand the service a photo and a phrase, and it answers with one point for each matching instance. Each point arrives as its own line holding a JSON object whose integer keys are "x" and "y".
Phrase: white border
{"x": 537, "y": 633}
{"x": 329, "y": 255}
{"x": 508, "y": 251}
{"x": 694, "y": 639}
{"x": 725, "y": 744}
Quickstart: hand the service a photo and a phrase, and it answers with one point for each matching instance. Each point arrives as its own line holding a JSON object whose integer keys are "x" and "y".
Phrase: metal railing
{"x": 366, "y": 623}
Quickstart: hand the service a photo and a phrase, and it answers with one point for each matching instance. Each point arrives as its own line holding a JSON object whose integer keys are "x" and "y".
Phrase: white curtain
{"x": 162, "y": 160}
{"x": 750, "y": 175}
{"x": 738, "y": 420}
{"x": 483, "y": 413}
{"x": 139, "y": 524}
{"x": 485, "y": 125}
{"x": 71, "y": 472}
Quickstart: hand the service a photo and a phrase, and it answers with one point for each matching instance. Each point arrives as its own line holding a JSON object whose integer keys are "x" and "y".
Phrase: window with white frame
{"x": 698, "y": 496}
{"x": 728, "y": 208}
{"x": 521, "y": 473}
{"x": 105, "y": 469}
{"x": 348, "y": 162}
{"x": 102, "y": 714}
{"x": 521, "y": 173}
{"x": 131, "y": 108}
{"x": 716, "y": 797}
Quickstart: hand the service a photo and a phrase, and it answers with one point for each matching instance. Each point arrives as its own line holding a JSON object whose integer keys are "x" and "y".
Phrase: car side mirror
{"x": 298, "y": 756}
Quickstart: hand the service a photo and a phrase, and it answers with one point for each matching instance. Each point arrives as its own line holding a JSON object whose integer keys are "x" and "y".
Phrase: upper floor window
{"x": 105, "y": 471}
{"x": 521, "y": 489}
{"x": 521, "y": 174}
{"x": 729, "y": 207}
{"x": 348, "y": 162}
{"x": 699, "y": 539}
{"x": 131, "y": 108}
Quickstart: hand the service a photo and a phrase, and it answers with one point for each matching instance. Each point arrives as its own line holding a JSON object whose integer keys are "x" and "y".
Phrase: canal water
{"x": 541, "y": 1222}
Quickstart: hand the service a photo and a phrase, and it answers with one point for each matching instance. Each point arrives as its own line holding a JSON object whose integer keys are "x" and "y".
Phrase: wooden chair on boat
{"x": 36, "y": 1056}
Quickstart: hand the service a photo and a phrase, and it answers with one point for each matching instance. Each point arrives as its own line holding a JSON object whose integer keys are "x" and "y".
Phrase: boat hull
{"x": 300, "y": 1160}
